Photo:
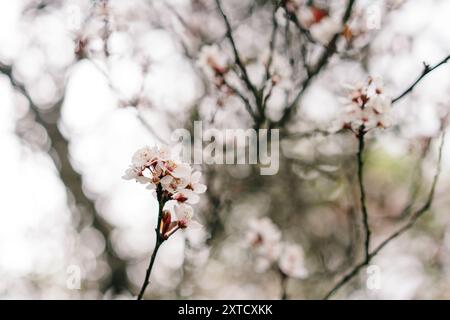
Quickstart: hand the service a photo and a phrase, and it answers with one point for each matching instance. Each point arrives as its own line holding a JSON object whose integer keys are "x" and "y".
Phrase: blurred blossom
{"x": 292, "y": 261}
{"x": 264, "y": 237}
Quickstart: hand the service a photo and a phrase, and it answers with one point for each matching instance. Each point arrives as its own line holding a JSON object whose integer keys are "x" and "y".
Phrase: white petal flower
{"x": 132, "y": 173}
{"x": 186, "y": 195}
{"x": 144, "y": 156}
{"x": 325, "y": 29}
{"x": 380, "y": 103}
{"x": 291, "y": 261}
{"x": 194, "y": 183}
{"x": 164, "y": 153}
{"x": 212, "y": 60}
{"x": 143, "y": 179}
{"x": 180, "y": 186}
{"x": 137, "y": 174}
{"x": 176, "y": 169}
{"x": 262, "y": 231}
{"x": 172, "y": 184}
{"x": 264, "y": 238}
{"x": 367, "y": 106}
{"x": 182, "y": 170}
{"x": 184, "y": 214}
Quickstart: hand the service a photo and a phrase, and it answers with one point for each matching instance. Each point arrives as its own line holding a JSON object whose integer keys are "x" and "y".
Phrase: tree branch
{"x": 158, "y": 243}
{"x": 426, "y": 70}
{"x": 237, "y": 57}
{"x": 322, "y": 62}
{"x": 350, "y": 275}
{"x": 362, "y": 190}
{"x": 273, "y": 38}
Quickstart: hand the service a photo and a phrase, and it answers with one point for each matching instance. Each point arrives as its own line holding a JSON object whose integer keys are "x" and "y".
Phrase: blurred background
{"x": 83, "y": 84}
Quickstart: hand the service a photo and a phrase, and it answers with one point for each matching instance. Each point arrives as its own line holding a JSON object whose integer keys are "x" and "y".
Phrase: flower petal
{"x": 199, "y": 188}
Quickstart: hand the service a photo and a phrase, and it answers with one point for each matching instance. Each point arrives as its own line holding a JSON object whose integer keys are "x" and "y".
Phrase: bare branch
{"x": 304, "y": 31}
{"x": 159, "y": 241}
{"x": 424, "y": 208}
{"x": 246, "y": 102}
{"x": 426, "y": 70}
{"x": 273, "y": 38}
{"x": 362, "y": 190}
{"x": 322, "y": 62}
{"x": 115, "y": 90}
{"x": 237, "y": 57}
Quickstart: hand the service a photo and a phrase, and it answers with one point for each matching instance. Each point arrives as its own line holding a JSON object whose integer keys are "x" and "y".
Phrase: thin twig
{"x": 244, "y": 99}
{"x": 352, "y": 273}
{"x": 426, "y": 70}
{"x": 149, "y": 271}
{"x": 237, "y": 57}
{"x": 149, "y": 128}
{"x": 416, "y": 182}
{"x": 362, "y": 190}
{"x": 323, "y": 61}
{"x": 273, "y": 38}
{"x": 115, "y": 90}
{"x": 304, "y": 31}
{"x": 159, "y": 241}
{"x": 283, "y": 283}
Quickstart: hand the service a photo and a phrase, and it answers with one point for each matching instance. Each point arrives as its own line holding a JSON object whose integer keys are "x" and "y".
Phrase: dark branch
{"x": 426, "y": 70}
{"x": 424, "y": 208}
{"x": 237, "y": 57}
{"x": 322, "y": 62}
{"x": 362, "y": 190}
{"x": 273, "y": 38}
{"x": 158, "y": 243}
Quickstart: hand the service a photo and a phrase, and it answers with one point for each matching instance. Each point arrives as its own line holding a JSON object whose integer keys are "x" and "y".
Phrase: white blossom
{"x": 194, "y": 183}
{"x": 213, "y": 61}
{"x": 172, "y": 184}
{"x": 324, "y": 30}
{"x": 179, "y": 184}
{"x": 291, "y": 261}
{"x": 185, "y": 214}
{"x": 184, "y": 188}
{"x": 366, "y": 107}
{"x": 144, "y": 156}
{"x": 264, "y": 238}
{"x": 186, "y": 195}
{"x": 175, "y": 169}
{"x": 280, "y": 69}
{"x": 134, "y": 173}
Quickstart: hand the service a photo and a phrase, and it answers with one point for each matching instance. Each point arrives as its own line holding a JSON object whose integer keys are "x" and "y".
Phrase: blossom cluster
{"x": 264, "y": 237}
{"x": 216, "y": 66}
{"x": 179, "y": 186}
{"x": 214, "y": 63}
{"x": 320, "y": 23}
{"x": 366, "y": 107}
